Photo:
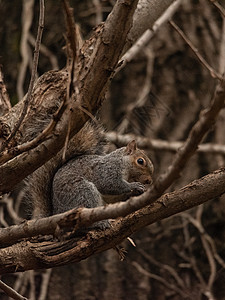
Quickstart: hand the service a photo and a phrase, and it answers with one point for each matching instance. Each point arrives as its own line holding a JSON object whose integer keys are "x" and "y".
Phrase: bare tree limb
{"x": 33, "y": 74}
{"x": 44, "y": 286}
{"x": 148, "y": 35}
{"x": 160, "y": 279}
{"x": 5, "y": 104}
{"x": 207, "y": 247}
{"x": 206, "y": 120}
{"x": 222, "y": 50}
{"x": 219, "y": 6}
{"x": 166, "y": 268}
{"x": 11, "y": 292}
{"x": 147, "y": 12}
{"x": 211, "y": 70}
{"x": 27, "y": 17}
{"x": 44, "y": 50}
{"x": 108, "y": 42}
{"x": 38, "y": 255}
{"x": 12, "y": 153}
{"x": 71, "y": 29}
{"x": 121, "y": 140}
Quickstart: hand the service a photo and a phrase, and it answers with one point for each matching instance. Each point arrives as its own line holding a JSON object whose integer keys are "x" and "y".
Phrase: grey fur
{"x": 85, "y": 180}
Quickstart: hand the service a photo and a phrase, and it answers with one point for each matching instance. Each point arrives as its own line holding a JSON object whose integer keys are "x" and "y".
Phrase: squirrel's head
{"x": 141, "y": 166}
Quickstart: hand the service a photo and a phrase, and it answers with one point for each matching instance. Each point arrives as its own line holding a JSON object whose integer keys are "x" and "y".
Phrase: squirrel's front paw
{"x": 137, "y": 188}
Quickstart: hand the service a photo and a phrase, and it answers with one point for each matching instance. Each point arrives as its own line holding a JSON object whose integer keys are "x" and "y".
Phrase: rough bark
{"x": 94, "y": 74}
{"x": 36, "y": 255}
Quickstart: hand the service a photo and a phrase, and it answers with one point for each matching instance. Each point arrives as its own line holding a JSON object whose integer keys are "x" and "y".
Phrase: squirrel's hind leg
{"x": 74, "y": 194}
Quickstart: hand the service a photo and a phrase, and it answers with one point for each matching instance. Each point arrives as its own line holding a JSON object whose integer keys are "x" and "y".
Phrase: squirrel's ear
{"x": 131, "y": 147}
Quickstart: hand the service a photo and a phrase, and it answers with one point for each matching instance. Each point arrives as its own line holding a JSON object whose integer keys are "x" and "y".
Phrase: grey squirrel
{"x": 89, "y": 177}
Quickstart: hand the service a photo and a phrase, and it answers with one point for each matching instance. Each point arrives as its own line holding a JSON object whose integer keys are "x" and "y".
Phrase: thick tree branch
{"x": 32, "y": 255}
{"x": 94, "y": 76}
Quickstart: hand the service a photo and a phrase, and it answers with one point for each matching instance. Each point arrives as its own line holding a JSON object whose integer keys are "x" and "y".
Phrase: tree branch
{"x": 219, "y": 7}
{"x": 147, "y": 12}
{"x": 33, "y": 74}
{"x": 212, "y": 71}
{"x": 11, "y": 292}
{"x": 35, "y": 254}
{"x": 5, "y": 104}
{"x": 108, "y": 43}
{"x": 122, "y": 140}
{"x": 148, "y": 35}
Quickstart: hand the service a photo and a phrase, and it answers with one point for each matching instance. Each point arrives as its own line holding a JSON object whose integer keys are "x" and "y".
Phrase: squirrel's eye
{"x": 140, "y": 161}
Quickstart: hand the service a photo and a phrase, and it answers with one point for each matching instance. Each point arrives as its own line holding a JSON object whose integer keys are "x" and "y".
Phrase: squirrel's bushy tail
{"x": 89, "y": 140}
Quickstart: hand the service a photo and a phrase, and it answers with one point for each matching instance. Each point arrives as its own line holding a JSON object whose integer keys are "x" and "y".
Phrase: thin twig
{"x": 44, "y": 285}
{"x": 219, "y": 6}
{"x": 44, "y": 50}
{"x": 11, "y": 292}
{"x": 164, "y": 267}
{"x": 209, "y": 253}
{"x": 142, "y": 97}
{"x": 10, "y": 209}
{"x": 207, "y": 246}
{"x": 9, "y": 154}
{"x": 72, "y": 54}
{"x": 31, "y": 285}
{"x": 5, "y": 104}
{"x": 25, "y": 51}
{"x": 222, "y": 50}
{"x": 160, "y": 279}
{"x": 98, "y": 11}
{"x": 206, "y": 120}
{"x": 190, "y": 257}
{"x": 212, "y": 71}
{"x": 148, "y": 35}
{"x": 33, "y": 74}
{"x": 71, "y": 29}
{"x": 69, "y": 91}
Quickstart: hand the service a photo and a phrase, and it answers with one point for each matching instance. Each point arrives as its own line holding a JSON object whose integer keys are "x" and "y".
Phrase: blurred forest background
{"x": 158, "y": 95}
